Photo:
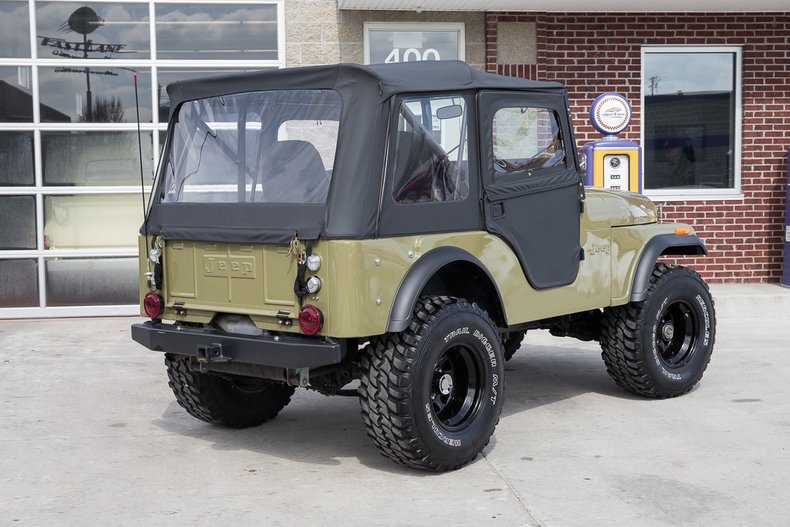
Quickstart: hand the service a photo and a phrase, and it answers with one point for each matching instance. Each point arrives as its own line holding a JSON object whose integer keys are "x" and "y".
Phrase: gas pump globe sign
{"x": 386, "y": 45}
{"x": 610, "y": 113}
{"x": 612, "y": 162}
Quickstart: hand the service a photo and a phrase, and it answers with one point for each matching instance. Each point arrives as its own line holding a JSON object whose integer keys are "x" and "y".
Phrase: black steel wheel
{"x": 660, "y": 347}
{"x": 456, "y": 396}
{"x": 431, "y": 395}
{"x": 677, "y": 337}
{"x": 232, "y": 401}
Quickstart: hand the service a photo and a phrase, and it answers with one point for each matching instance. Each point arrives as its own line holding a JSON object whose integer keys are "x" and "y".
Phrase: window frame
{"x": 457, "y": 27}
{"x": 429, "y": 217}
{"x": 733, "y": 193}
{"x": 492, "y": 100}
{"x": 161, "y": 177}
{"x": 393, "y": 145}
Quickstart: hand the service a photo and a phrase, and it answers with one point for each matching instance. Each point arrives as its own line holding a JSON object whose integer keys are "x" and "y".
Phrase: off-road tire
{"x": 237, "y": 402}
{"x": 404, "y": 377}
{"x": 660, "y": 347}
{"x": 512, "y": 343}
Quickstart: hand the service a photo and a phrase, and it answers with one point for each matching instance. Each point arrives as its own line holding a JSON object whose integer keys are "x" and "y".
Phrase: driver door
{"x": 532, "y": 191}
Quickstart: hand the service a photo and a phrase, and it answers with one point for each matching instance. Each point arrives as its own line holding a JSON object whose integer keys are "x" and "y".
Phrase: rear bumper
{"x": 212, "y": 346}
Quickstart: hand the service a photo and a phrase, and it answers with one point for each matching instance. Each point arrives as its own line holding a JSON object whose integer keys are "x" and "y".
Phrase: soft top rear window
{"x": 257, "y": 147}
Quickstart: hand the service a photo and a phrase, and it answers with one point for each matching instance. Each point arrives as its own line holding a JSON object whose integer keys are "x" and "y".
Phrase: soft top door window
{"x": 525, "y": 142}
{"x": 691, "y": 121}
{"x": 526, "y": 139}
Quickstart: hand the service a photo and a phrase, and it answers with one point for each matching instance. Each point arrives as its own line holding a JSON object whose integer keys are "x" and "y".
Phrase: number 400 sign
{"x": 412, "y": 54}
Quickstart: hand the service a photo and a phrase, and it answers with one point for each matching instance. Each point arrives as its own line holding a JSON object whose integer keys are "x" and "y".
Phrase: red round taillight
{"x": 310, "y": 320}
{"x": 153, "y": 304}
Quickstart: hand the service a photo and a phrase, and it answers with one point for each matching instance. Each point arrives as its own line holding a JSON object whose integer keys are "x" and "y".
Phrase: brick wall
{"x": 595, "y": 53}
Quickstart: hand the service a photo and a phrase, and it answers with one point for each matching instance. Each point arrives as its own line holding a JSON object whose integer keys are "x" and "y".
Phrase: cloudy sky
{"x": 689, "y": 72}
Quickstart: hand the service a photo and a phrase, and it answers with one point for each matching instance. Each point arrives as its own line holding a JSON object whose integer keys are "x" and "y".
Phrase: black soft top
{"x": 352, "y": 209}
{"x": 385, "y": 79}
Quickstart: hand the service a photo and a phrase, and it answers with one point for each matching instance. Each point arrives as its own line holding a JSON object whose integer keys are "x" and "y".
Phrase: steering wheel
{"x": 503, "y": 165}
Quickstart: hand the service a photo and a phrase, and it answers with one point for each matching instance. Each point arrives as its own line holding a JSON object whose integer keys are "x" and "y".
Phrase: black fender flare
{"x": 658, "y": 245}
{"x": 418, "y": 276}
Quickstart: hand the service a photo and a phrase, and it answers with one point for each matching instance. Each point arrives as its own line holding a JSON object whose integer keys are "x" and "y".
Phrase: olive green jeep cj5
{"x": 402, "y": 226}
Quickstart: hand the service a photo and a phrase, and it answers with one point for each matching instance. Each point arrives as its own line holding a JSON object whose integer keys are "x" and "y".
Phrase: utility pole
{"x": 654, "y": 84}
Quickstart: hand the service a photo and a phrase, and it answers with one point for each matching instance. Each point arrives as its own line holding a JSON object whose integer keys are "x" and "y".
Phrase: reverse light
{"x": 310, "y": 320}
{"x": 313, "y": 284}
{"x": 314, "y": 262}
{"x": 153, "y": 304}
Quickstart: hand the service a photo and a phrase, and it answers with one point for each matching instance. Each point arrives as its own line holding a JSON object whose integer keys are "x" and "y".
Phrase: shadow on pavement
{"x": 312, "y": 429}
{"x": 549, "y": 374}
{"x": 323, "y": 430}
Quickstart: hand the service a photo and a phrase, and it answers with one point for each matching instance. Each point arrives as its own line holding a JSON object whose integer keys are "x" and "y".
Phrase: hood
{"x": 625, "y": 208}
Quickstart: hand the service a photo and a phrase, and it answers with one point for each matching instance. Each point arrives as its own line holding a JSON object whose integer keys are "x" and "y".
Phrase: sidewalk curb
{"x": 751, "y": 300}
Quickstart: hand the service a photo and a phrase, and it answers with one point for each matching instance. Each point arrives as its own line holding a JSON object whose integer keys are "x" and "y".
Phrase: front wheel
{"x": 660, "y": 347}
{"x": 431, "y": 395}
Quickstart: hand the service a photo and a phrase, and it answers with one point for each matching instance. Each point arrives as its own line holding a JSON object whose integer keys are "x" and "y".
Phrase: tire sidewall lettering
{"x": 487, "y": 345}
{"x": 464, "y": 330}
{"x": 437, "y": 431}
{"x": 706, "y": 319}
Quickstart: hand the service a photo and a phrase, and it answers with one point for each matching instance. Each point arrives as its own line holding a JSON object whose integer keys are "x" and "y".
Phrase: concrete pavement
{"x": 90, "y": 434}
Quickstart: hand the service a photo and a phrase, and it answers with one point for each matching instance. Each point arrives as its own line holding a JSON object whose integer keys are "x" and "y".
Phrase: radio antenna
{"x": 148, "y": 273}
{"x": 140, "y": 152}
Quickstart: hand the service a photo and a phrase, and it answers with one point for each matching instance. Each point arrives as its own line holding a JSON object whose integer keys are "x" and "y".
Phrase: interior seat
{"x": 295, "y": 174}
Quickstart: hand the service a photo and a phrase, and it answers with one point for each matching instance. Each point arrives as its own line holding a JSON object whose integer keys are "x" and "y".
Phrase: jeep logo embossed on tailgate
{"x": 224, "y": 267}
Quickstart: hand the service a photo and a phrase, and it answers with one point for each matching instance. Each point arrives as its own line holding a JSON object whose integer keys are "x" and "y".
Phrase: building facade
{"x": 710, "y": 93}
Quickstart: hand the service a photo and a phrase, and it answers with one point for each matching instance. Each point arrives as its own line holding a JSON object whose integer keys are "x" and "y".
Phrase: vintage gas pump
{"x": 612, "y": 162}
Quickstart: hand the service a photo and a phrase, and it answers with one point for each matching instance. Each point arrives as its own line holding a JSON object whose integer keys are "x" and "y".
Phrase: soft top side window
{"x": 526, "y": 139}
{"x": 431, "y": 157}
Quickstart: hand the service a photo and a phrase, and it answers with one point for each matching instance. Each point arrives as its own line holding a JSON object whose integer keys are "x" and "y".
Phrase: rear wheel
{"x": 235, "y": 402}
{"x": 660, "y": 347}
{"x": 431, "y": 395}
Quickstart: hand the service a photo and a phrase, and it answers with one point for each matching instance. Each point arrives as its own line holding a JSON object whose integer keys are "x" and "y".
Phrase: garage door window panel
{"x": 16, "y": 159}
